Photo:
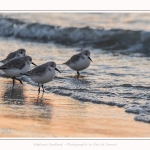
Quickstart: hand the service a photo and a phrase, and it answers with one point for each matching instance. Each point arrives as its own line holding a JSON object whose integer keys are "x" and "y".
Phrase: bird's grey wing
{"x": 73, "y": 59}
{"x": 38, "y": 71}
{"x": 14, "y": 63}
{"x": 10, "y": 56}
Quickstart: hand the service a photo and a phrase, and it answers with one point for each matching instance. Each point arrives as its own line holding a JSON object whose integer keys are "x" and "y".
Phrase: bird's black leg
{"x": 13, "y": 81}
{"x": 19, "y": 80}
{"x": 43, "y": 88}
{"x": 78, "y": 74}
{"x": 39, "y": 88}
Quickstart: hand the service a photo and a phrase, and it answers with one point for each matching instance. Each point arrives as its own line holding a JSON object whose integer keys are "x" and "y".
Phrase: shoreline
{"x": 25, "y": 114}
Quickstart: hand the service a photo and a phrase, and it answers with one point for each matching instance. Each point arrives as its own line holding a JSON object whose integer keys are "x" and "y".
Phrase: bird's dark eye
{"x": 21, "y": 52}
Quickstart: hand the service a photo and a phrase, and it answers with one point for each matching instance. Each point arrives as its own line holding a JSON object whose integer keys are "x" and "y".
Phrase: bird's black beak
{"x": 34, "y": 64}
{"x": 90, "y": 59}
{"x": 57, "y": 70}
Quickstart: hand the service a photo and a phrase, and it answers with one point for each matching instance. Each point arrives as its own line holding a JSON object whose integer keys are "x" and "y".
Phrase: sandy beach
{"x": 24, "y": 113}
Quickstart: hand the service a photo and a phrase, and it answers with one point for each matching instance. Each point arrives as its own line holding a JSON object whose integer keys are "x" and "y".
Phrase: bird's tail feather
{"x": 66, "y": 63}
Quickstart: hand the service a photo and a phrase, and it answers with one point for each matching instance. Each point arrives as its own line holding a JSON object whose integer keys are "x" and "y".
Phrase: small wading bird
{"x": 17, "y": 66}
{"x": 42, "y": 74}
{"x": 79, "y": 61}
{"x": 18, "y": 53}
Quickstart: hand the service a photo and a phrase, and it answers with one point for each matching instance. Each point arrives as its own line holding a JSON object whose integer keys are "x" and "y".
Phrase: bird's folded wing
{"x": 14, "y": 63}
{"x": 38, "y": 71}
{"x": 11, "y": 55}
{"x": 73, "y": 59}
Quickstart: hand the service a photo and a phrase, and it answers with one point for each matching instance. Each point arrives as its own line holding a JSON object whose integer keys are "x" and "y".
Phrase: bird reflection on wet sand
{"x": 25, "y": 104}
{"x": 76, "y": 76}
{"x": 14, "y": 95}
{"x": 39, "y": 100}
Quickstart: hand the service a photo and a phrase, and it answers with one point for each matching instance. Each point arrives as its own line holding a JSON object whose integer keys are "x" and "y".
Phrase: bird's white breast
{"x": 14, "y": 72}
{"x": 46, "y": 77}
{"x": 81, "y": 64}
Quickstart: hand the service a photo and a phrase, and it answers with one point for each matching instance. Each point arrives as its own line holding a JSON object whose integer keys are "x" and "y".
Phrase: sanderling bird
{"x": 18, "y": 53}
{"x": 17, "y": 66}
{"x": 43, "y": 73}
{"x": 79, "y": 61}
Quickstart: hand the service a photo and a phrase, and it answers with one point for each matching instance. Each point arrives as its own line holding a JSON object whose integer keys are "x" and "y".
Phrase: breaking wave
{"x": 114, "y": 39}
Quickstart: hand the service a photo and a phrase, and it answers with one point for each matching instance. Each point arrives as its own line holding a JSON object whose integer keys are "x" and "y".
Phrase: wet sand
{"x": 24, "y": 113}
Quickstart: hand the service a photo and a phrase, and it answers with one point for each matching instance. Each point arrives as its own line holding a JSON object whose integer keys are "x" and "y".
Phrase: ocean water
{"x": 120, "y": 49}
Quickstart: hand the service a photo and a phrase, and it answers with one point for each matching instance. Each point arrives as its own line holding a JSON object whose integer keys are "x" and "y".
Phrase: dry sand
{"x": 25, "y": 114}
